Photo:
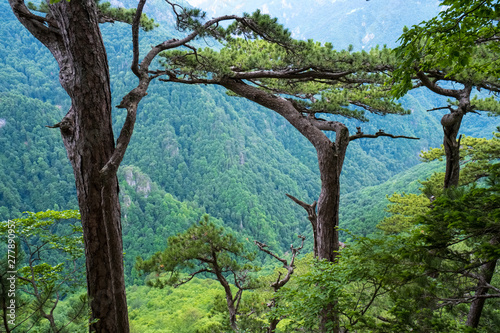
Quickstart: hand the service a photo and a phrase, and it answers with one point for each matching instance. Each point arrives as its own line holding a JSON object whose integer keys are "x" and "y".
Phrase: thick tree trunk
{"x": 73, "y": 37}
{"x": 330, "y": 160}
{"x": 88, "y": 137}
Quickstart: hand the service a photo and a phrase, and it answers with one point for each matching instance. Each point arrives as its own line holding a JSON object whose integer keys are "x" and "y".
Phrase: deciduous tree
{"x": 455, "y": 54}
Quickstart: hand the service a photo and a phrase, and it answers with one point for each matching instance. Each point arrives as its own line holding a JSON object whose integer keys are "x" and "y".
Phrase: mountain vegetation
{"x": 424, "y": 263}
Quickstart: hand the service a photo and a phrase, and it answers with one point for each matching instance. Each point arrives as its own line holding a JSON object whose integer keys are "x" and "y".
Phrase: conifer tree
{"x": 70, "y": 31}
{"x": 204, "y": 249}
{"x": 298, "y": 80}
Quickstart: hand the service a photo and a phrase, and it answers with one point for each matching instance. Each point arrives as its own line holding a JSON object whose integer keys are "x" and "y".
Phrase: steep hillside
{"x": 216, "y": 154}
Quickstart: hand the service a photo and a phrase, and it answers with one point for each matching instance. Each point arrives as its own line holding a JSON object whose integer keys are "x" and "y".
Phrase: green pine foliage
{"x": 203, "y": 248}
{"x": 229, "y": 157}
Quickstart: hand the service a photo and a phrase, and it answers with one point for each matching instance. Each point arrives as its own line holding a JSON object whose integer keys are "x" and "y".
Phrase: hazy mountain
{"x": 361, "y": 23}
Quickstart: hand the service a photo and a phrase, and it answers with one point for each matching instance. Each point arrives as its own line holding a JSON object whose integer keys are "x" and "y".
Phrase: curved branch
{"x": 281, "y": 106}
{"x": 38, "y": 26}
{"x": 130, "y": 102}
{"x": 173, "y": 43}
{"x": 191, "y": 276}
{"x": 290, "y": 268}
{"x": 435, "y": 88}
{"x": 132, "y": 99}
{"x": 311, "y": 215}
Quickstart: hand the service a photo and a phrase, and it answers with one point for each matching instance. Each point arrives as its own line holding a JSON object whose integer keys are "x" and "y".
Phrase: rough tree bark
{"x": 485, "y": 277}
{"x": 451, "y": 125}
{"x": 477, "y": 305}
{"x": 71, "y": 33}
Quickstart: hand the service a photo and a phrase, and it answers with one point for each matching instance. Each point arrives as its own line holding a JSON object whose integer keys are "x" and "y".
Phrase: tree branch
{"x": 311, "y": 215}
{"x": 288, "y": 74}
{"x": 325, "y": 125}
{"x": 360, "y": 135}
{"x": 38, "y": 26}
{"x": 135, "y": 37}
{"x": 191, "y": 276}
{"x": 435, "y": 88}
{"x": 442, "y": 108}
{"x": 132, "y": 99}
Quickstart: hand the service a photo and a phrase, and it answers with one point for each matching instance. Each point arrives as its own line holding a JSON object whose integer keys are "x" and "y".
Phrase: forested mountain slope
{"x": 219, "y": 154}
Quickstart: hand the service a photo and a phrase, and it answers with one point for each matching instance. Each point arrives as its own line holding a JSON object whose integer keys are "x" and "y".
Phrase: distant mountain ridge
{"x": 363, "y": 24}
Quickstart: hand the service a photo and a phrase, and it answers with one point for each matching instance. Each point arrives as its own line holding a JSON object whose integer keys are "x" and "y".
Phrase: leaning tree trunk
{"x": 73, "y": 37}
{"x": 476, "y": 307}
{"x": 485, "y": 276}
{"x": 330, "y": 159}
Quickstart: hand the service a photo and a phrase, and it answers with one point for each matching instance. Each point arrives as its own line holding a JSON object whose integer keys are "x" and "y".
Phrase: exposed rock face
{"x": 137, "y": 180}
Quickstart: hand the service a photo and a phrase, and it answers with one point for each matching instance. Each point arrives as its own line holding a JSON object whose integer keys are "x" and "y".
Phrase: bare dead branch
{"x": 135, "y": 37}
{"x": 380, "y": 132}
{"x": 311, "y": 215}
{"x": 191, "y": 276}
{"x": 441, "y": 108}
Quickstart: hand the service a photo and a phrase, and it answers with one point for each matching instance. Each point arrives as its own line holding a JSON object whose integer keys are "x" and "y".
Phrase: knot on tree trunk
{"x": 67, "y": 126}
{"x": 450, "y": 119}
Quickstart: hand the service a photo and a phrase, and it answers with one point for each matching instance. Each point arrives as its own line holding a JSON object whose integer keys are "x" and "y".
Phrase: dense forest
{"x": 206, "y": 175}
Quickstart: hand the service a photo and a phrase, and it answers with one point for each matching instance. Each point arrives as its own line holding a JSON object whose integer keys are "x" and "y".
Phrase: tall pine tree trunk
{"x": 73, "y": 37}
{"x": 330, "y": 161}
